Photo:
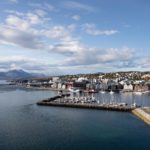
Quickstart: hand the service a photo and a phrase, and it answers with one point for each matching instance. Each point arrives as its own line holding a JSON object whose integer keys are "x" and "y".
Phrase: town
{"x": 137, "y": 82}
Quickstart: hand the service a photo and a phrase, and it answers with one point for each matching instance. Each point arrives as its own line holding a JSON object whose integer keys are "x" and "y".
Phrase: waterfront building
{"x": 59, "y": 85}
{"x": 63, "y": 86}
{"x": 141, "y": 87}
{"x": 128, "y": 87}
{"x": 79, "y": 85}
{"x": 55, "y": 79}
{"x": 54, "y": 85}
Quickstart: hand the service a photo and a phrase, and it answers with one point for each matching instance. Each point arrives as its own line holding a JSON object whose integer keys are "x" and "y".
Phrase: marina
{"x": 89, "y": 101}
{"x": 65, "y": 100}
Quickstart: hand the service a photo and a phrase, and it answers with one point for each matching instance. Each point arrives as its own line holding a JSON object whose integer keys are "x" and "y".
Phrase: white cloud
{"x": 111, "y": 57}
{"x": 68, "y": 47}
{"x": 43, "y": 6}
{"x": 40, "y": 12}
{"x": 76, "y": 17}
{"x": 13, "y": 12}
{"x": 31, "y": 31}
{"x": 21, "y": 29}
{"x": 56, "y": 32}
{"x": 26, "y": 63}
{"x": 19, "y": 37}
{"x": 92, "y": 30}
{"x": 13, "y": 1}
{"x": 78, "y": 6}
{"x": 144, "y": 62}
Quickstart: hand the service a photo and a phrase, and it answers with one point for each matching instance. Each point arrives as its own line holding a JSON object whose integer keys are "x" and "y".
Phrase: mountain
{"x": 18, "y": 74}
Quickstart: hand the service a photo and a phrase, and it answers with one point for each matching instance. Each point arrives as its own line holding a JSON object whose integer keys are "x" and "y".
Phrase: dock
{"x": 62, "y": 101}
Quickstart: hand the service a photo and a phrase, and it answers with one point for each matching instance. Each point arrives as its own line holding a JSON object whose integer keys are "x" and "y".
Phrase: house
{"x": 128, "y": 87}
{"x": 59, "y": 85}
{"x": 63, "y": 86}
{"x": 55, "y": 79}
{"x": 148, "y": 85}
{"x": 80, "y": 85}
{"x": 54, "y": 85}
{"x": 97, "y": 86}
{"x": 69, "y": 85}
{"x": 141, "y": 87}
{"x": 103, "y": 86}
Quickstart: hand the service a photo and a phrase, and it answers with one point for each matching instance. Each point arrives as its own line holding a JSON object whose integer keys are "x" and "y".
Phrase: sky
{"x": 74, "y": 36}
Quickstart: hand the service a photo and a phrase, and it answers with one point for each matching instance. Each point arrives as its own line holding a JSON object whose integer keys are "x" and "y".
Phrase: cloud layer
{"x": 35, "y": 29}
{"x": 92, "y": 30}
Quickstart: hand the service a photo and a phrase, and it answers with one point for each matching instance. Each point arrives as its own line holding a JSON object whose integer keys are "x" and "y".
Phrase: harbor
{"x": 89, "y": 101}
{"x": 41, "y": 127}
{"x": 66, "y": 100}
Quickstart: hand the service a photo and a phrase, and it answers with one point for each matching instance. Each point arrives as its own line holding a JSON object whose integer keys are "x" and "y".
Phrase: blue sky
{"x": 74, "y": 36}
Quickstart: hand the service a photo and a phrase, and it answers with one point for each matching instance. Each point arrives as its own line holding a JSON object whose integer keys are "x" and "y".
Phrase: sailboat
{"x": 111, "y": 92}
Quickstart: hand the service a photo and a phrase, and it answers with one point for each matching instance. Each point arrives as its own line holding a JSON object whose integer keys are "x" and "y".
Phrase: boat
{"x": 102, "y": 92}
{"x": 111, "y": 92}
{"x": 92, "y": 91}
{"x": 60, "y": 92}
{"x": 73, "y": 90}
{"x": 138, "y": 93}
{"x": 122, "y": 104}
{"x": 134, "y": 105}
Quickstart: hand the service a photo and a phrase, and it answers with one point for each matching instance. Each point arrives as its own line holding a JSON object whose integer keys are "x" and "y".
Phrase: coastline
{"x": 66, "y": 90}
{"x": 45, "y": 88}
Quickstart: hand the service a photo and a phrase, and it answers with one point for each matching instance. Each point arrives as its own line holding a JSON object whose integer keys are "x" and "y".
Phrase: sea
{"x": 27, "y": 126}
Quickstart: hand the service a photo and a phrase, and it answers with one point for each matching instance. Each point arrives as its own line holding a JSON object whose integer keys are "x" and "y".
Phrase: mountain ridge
{"x": 18, "y": 74}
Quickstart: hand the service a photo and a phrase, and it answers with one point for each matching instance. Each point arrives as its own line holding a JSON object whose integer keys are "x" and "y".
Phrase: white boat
{"x": 111, "y": 92}
{"x": 73, "y": 90}
{"x": 138, "y": 93}
{"x": 134, "y": 105}
{"x": 102, "y": 92}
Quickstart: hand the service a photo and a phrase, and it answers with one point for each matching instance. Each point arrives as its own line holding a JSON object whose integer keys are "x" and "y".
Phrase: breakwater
{"x": 90, "y": 106}
{"x": 54, "y": 98}
{"x": 62, "y": 101}
{"x": 143, "y": 114}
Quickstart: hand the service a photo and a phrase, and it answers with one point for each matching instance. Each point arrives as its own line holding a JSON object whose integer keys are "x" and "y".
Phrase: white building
{"x": 128, "y": 87}
{"x": 55, "y": 79}
{"x": 63, "y": 86}
{"x": 59, "y": 86}
{"x": 54, "y": 85}
{"x": 81, "y": 79}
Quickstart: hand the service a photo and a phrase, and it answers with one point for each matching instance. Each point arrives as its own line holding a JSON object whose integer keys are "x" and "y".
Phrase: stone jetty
{"x": 65, "y": 101}
{"x": 143, "y": 113}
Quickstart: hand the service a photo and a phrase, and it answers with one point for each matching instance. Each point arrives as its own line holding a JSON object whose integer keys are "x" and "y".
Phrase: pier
{"x": 64, "y": 100}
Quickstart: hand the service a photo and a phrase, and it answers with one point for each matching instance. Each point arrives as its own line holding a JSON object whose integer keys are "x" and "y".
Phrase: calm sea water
{"x": 26, "y": 126}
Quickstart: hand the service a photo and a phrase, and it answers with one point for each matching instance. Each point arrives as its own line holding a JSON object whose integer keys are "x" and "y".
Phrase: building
{"x": 128, "y": 87}
{"x": 141, "y": 87}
